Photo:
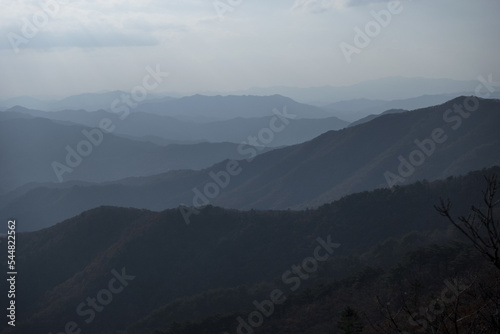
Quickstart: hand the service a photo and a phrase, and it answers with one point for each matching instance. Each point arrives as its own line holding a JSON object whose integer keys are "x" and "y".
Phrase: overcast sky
{"x": 99, "y": 45}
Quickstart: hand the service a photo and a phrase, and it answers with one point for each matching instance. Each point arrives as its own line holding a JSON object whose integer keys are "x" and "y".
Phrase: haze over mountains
{"x": 87, "y": 101}
{"x": 206, "y": 183}
{"x": 334, "y": 164}
{"x": 391, "y": 88}
{"x": 161, "y": 120}
{"x": 31, "y": 146}
{"x": 250, "y": 167}
{"x": 48, "y": 137}
{"x": 202, "y": 107}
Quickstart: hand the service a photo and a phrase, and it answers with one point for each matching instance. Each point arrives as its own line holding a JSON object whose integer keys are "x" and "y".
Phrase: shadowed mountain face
{"x": 373, "y": 116}
{"x": 355, "y": 110}
{"x": 394, "y": 149}
{"x": 159, "y": 258}
{"x": 405, "y": 145}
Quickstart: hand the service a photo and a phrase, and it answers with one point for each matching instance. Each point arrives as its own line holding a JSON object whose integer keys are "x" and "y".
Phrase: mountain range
{"x": 394, "y": 149}
{"x": 30, "y": 147}
{"x": 201, "y": 107}
{"x": 357, "y": 109}
{"x": 88, "y": 101}
{"x": 390, "y": 88}
{"x": 147, "y": 270}
{"x": 237, "y": 129}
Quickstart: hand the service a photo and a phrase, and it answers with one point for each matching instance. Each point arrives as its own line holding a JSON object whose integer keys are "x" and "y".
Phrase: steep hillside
{"x": 63, "y": 265}
{"x": 431, "y": 143}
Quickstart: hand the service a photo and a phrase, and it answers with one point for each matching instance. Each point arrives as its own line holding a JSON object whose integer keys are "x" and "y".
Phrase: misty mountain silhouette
{"x": 372, "y": 155}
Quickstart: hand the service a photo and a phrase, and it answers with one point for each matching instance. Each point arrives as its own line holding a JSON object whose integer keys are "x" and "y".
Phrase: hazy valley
{"x": 248, "y": 167}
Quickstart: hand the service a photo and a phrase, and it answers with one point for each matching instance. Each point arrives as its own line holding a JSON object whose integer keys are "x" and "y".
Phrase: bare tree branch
{"x": 480, "y": 226}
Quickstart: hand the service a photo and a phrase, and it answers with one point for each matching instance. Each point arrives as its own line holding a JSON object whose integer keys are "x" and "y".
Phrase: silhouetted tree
{"x": 476, "y": 307}
{"x": 481, "y": 227}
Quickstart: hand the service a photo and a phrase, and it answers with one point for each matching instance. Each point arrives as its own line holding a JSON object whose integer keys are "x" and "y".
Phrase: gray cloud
{"x": 314, "y": 6}
{"x": 323, "y": 6}
{"x": 357, "y": 3}
{"x": 48, "y": 40}
{"x": 107, "y": 44}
